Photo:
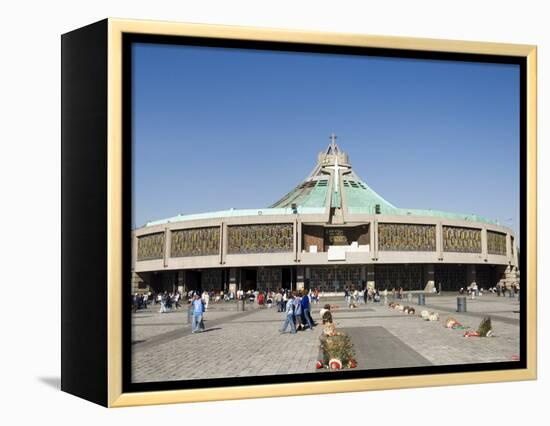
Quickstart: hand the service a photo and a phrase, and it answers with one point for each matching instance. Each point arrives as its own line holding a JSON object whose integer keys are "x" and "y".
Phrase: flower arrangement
{"x": 337, "y": 349}
{"x": 485, "y": 329}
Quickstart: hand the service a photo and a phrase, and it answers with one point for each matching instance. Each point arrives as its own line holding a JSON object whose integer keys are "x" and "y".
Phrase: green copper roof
{"x": 361, "y": 199}
{"x": 237, "y": 213}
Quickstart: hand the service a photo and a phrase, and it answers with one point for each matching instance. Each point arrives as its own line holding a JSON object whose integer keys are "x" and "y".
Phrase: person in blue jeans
{"x": 198, "y": 310}
{"x": 305, "y": 302}
{"x": 289, "y": 316}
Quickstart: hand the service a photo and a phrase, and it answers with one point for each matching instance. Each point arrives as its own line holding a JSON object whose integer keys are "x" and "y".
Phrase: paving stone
{"x": 249, "y": 343}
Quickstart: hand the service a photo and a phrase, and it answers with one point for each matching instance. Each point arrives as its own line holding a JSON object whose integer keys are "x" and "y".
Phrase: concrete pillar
{"x": 470, "y": 274}
{"x": 370, "y": 276}
{"x": 167, "y": 245}
{"x": 375, "y": 235}
{"x": 180, "y": 282}
{"x": 515, "y": 260}
{"x": 300, "y": 278}
{"x": 484, "y": 244}
{"x": 299, "y": 238}
{"x": 372, "y": 240}
{"x": 233, "y": 281}
{"x": 509, "y": 247}
{"x": 439, "y": 240}
{"x": 222, "y": 237}
{"x": 429, "y": 277}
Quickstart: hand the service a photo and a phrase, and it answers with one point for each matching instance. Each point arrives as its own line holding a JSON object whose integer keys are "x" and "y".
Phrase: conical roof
{"x": 334, "y": 184}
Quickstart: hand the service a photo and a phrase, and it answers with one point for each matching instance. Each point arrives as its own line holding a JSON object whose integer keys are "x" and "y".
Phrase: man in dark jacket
{"x": 306, "y": 311}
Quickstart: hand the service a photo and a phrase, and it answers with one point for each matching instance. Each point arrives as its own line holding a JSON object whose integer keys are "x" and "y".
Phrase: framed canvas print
{"x": 255, "y": 212}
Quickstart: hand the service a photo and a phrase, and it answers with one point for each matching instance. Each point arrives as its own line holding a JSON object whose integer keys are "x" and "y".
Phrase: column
{"x": 484, "y": 244}
{"x": 372, "y": 240}
{"x": 508, "y": 247}
{"x": 429, "y": 277}
{"x": 167, "y": 239}
{"x": 439, "y": 240}
{"x": 180, "y": 282}
{"x": 223, "y": 228}
{"x": 370, "y": 277}
{"x": 300, "y": 278}
{"x": 375, "y": 242}
{"x": 233, "y": 281}
{"x": 470, "y": 274}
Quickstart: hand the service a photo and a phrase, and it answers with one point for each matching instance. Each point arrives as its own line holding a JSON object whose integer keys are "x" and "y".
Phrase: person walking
{"x": 289, "y": 317}
{"x": 198, "y": 311}
{"x": 163, "y": 302}
{"x": 279, "y": 301}
{"x": 306, "y": 315}
{"x": 205, "y": 299}
{"x": 297, "y": 302}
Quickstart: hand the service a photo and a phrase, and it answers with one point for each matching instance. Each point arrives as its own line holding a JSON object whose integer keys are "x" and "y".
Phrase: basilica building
{"x": 329, "y": 232}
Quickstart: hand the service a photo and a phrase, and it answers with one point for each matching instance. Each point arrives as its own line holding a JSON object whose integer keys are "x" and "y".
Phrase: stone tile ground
{"x": 249, "y": 343}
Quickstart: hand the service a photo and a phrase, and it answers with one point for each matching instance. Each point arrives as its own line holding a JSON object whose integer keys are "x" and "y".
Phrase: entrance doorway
{"x": 287, "y": 279}
{"x": 193, "y": 280}
{"x": 250, "y": 279}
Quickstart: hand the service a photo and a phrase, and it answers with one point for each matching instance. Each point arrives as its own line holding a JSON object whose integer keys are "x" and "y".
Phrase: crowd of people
{"x": 354, "y": 297}
{"x": 297, "y": 309}
{"x": 500, "y": 290}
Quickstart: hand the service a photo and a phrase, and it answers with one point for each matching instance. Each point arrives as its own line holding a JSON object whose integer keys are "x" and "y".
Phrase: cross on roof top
{"x": 333, "y": 139}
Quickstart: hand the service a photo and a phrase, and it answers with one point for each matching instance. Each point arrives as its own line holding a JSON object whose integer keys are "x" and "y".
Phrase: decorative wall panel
{"x": 496, "y": 243}
{"x": 151, "y": 246}
{"x": 271, "y": 238}
{"x": 346, "y": 235}
{"x": 461, "y": 240}
{"x": 406, "y": 237}
{"x": 195, "y": 242}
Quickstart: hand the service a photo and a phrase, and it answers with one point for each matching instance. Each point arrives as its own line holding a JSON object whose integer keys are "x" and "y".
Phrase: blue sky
{"x": 219, "y": 128}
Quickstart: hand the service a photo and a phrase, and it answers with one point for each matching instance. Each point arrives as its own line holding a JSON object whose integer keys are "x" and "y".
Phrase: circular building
{"x": 331, "y": 231}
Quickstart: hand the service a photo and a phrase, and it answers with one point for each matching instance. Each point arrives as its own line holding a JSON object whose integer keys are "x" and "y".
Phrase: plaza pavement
{"x": 249, "y": 343}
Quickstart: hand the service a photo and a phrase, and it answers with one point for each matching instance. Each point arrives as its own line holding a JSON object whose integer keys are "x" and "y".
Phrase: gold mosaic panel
{"x": 151, "y": 246}
{"x": 496, "y": 243}
{"x": 461, "y": 240}
{"x": 406, "y": 237}
{"x": 195, "y": 242}
{"x": 272, "y": 238}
